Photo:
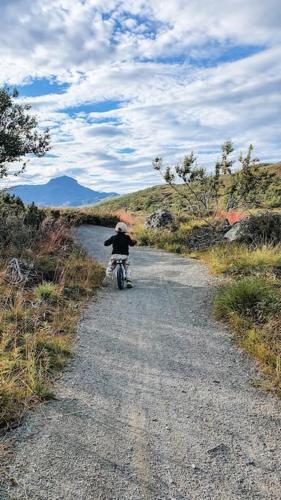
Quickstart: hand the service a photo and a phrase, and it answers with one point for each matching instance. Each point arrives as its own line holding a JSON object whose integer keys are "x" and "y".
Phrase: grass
{"x": 47, "y": 292}
{"x": 167, "y": 239}
{"x": 250, "y": 297}
{"x": 250, "y": 302}
{"x": 38, "y": 320}
{"x": 238, "y": 259}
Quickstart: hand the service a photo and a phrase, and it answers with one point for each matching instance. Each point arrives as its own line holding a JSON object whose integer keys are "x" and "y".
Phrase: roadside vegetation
{"x": 250, "y": 301}
{"x": 87, "y": 215}
{"x": 44, "y": 281}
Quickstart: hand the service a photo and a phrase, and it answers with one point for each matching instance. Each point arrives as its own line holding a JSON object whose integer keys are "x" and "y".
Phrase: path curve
{"x": 157, "y": 403}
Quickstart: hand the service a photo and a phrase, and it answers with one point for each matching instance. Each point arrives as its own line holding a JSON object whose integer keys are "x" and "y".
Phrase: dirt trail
{"x": 157, "y": 403}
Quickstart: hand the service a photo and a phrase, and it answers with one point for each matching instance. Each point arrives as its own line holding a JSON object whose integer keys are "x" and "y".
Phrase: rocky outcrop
{"x": 206, "y": 236}
{"x": 257, "y": 229}
{"x": 160, "y": 220}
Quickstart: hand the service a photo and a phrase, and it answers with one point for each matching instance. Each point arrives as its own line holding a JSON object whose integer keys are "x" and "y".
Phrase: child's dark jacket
{"x": 120, "y": 243}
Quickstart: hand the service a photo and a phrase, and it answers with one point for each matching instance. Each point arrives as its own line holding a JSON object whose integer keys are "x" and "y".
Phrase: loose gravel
{"x": 157, "y": 403}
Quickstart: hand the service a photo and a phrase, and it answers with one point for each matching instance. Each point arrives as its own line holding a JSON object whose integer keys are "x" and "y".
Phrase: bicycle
{"x": 121, "y": 274}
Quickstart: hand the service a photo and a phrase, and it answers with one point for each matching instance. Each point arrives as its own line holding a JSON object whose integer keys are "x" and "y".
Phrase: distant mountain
{"x": 59, "y": 192}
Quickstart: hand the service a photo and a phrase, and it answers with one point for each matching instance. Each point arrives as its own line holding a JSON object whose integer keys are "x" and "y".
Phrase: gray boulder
{"x": 234, "y": 234}
{"x": 160, "y": 219}
{"x": 261, "y": 228}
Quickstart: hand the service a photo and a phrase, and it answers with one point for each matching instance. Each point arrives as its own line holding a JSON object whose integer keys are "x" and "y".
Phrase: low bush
{"x": 47, "y": 292}
{"x": 265, "y": 228}
{"x": 250, "y": 297}
{"x": 173, "y": 240}
{"x": 262, "y": 228}
{"x": 19, "y": 224}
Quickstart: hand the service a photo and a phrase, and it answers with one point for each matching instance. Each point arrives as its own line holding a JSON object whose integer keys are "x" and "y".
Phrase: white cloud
{"x": 181, "y": 84}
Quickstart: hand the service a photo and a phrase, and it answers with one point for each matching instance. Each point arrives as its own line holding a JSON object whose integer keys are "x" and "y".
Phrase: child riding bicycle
{"x": 120, "y": 242}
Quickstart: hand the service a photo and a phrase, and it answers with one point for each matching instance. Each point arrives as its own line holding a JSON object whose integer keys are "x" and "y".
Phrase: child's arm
{"x": 108, "y": 242}
{"x": 131, "y": 242}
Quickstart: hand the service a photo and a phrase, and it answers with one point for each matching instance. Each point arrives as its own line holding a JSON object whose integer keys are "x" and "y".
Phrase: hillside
{"x": 151, "y": 199}
{"x": 61, "y": 191}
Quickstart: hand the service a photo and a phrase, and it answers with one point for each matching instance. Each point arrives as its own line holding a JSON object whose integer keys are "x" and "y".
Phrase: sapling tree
{"x": 223, "y": 167}
{"x": 189, "y": 174}
{"x": 250, "y": 182}
{"x": 202, "y": 191}
{"x": 19, "y": 134}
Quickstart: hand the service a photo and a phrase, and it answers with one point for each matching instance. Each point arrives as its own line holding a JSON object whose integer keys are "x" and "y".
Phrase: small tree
{"x": 19, "y": 134}
{"x": 188, "y": 173}
{"x": 250, "y": 183}
{"x": 203, "y": 191}
{"x": 223, "y": 167}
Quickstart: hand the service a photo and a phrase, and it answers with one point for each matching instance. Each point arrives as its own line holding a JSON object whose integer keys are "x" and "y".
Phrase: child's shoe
{"x": 107, "y": 280}
{"x": 129, "y": 284}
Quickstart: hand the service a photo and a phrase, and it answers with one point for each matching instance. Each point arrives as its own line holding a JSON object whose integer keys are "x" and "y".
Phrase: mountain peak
{"x": 63, "y": 191}
{"x": 63, "y": 179}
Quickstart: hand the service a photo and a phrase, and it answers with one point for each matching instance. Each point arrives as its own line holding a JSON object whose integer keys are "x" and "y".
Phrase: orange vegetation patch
{"x": 56, "y": 234}
{"x": 231, "y": 215}
{"x": 128, "y": 218}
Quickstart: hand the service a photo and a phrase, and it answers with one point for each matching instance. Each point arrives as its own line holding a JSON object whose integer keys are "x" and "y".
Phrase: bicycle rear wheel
{"x": 120, "y": 277}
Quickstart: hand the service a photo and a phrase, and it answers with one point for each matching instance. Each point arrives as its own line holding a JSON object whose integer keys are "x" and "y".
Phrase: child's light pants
{"x": 112, "y": 265}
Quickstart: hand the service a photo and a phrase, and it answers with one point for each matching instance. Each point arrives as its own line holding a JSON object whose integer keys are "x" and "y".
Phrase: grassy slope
{"x": 151, "y": 199}
{"x": 144, "y": 201}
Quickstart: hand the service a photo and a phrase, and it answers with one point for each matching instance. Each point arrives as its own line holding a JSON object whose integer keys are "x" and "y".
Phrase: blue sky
{"x": 119, "y": 82}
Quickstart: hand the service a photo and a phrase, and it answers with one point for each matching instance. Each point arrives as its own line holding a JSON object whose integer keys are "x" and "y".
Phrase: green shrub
{"x": 47, "y": 292}
{"x": 251, "y": 297}
{"x": 19, "y": 224}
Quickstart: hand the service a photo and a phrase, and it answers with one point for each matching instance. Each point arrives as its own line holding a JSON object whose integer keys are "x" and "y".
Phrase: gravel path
{"x": 157, "y": 403}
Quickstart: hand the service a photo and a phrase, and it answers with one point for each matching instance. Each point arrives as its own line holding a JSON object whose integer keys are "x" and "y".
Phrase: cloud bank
{"x": 120, "y": 81}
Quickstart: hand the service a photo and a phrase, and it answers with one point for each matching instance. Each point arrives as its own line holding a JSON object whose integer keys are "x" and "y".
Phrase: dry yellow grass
{"x": 38, "y": 323}
{"x": 238, "y": 259}
{"x": 250, "y": 302}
